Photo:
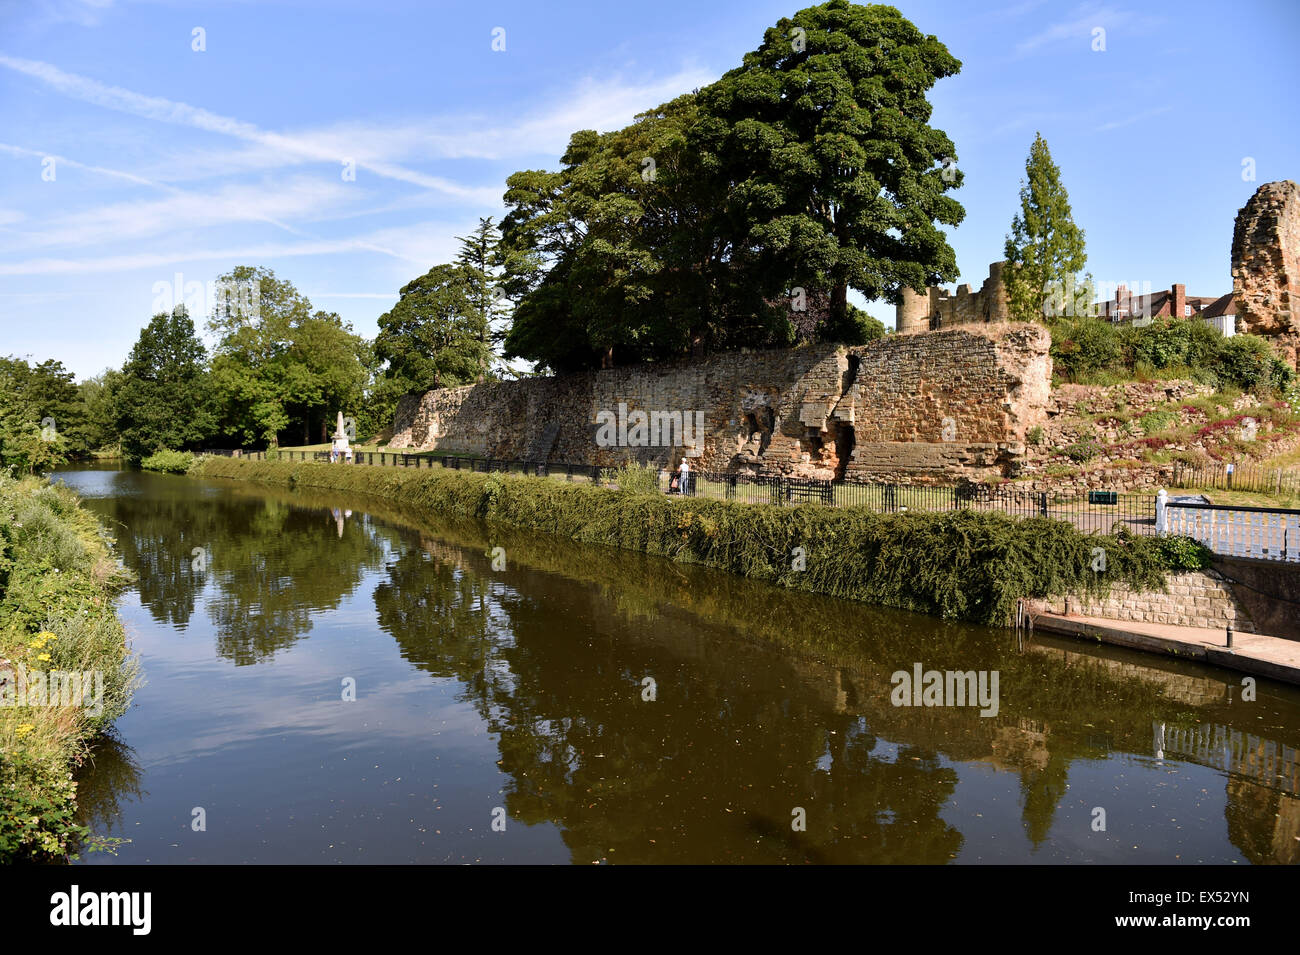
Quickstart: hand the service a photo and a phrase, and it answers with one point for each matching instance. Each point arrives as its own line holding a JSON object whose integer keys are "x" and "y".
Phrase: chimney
{"x": 1178, "y": 296}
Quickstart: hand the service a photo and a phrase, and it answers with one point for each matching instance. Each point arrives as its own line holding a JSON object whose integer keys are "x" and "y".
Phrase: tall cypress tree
{"x": 480, "y": 259}
{"x": 1045, "y": 250}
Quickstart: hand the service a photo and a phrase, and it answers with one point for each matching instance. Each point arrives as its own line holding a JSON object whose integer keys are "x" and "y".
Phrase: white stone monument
{"x": 340, "y": 439}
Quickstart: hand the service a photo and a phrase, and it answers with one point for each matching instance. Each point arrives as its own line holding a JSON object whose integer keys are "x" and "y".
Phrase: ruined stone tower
{"x": 1266, "y": 266}
{"x": 939, "y": 308}
{"x": 913, "y": 313}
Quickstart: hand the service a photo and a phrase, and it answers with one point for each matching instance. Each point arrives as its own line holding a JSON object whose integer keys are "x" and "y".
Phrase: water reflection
{"x": 763, "y": 702}
{"x": 107, "y": 781}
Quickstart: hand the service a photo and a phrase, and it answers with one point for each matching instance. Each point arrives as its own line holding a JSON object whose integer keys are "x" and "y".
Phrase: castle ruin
{"x": 938, "y": 308}
{"x": 1266, "y": 266}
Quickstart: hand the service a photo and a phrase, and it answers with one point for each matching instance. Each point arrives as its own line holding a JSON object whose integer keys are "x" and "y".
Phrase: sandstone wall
{"x": 939, "y": 308}
{"x": 1195, "y": 599}
{"x": 902, "y": 408}
{"x": 1266, "y": 266}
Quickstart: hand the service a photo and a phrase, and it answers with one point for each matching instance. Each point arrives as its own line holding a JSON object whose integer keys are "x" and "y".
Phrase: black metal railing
{"x": 1100, "y": 510}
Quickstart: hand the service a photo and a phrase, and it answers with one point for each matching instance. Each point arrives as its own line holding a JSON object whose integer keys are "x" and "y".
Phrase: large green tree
{"x": 623, "y": 256}
{"x": 809, "y": 170}
{"x": 162, "y": 397}
{"x": 42, "y": 417}
{"x": 582, "y": 256}
{"x": 1045, "y": 250}
{"x": 279, "y": 368}
{"x": 836, "y": 179}
{"x": 99, "y": 397}
{"x": 436, "y": 335}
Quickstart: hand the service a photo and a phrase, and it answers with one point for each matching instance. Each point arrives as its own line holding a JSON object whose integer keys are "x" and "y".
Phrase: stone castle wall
{"x": 957, "y": 402}
{"x": 938, "y": 308}
{"x": 1266, "y": 266}
{"x": 1195, "y": 598}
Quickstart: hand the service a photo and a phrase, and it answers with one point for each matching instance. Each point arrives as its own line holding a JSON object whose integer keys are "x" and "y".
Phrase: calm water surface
{"x": 521, "y": 695}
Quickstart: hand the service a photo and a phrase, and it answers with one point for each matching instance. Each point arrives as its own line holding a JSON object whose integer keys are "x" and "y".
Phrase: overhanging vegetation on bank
{"x": 964, "y": 565}
{"x": 65, "y": 671}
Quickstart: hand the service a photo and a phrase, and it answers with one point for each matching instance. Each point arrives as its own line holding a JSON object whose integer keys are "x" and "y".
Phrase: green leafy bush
{"x": 1184, "y": 553}
{"x": 961, "y": 564}
{"x": 1250, "y": 363}
{"x": 171, "y": 462}
{"x": 1035, "y": 435}
{"x": 1097, "y": 351}
{"x": 1084, "y": 346}
{"x": 1082, "y": 451}
{"x": 37, "y": 808}
{"x": 634, "y": 478}
{"x": 1156, "y": 421}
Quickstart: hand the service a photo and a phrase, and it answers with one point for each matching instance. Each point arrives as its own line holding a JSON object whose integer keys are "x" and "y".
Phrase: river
{"x": 330, "y": 681}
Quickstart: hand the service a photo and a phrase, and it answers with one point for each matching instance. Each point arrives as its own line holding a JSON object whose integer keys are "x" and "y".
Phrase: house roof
{"x": 1223, "y": 305}
{"x": 1152, "y": 303}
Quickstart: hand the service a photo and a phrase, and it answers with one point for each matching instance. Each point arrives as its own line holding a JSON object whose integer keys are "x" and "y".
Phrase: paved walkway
{"x": 1253, "y": 653}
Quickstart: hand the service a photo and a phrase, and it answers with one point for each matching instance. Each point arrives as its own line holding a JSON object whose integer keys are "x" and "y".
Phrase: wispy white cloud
{"x": 543, "y": 131}
{"x": 422, "y": 243}
{"x": 1082, "y": 21}
{"x": 124, "y": 221}
{"x": 249, "y": 211}
{"x": 86, "y": 13}
{"x": 65, "y": 161}
{"x": 1130, "y": 120}
{"x": 384, "y": 149}
{"x": 164, "y": 110}
{"x": 145, "y": 260}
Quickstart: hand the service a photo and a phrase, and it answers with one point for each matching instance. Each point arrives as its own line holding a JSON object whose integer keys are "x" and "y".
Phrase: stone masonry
{"x": 1266, "y": 266}
{"x": 938, "y": 308}
{"x": 954, "y": 403}
{"x": 1196, "y": 598}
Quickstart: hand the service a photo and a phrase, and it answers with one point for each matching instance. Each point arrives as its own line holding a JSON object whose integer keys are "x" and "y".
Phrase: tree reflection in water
{"x": 766, "y": 699}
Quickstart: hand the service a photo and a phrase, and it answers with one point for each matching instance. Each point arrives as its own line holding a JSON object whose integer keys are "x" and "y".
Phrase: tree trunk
{"x": 839, "y": 305}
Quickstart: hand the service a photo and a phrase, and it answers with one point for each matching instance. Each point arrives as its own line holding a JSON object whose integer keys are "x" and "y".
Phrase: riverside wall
{"x": 904, "y": 408}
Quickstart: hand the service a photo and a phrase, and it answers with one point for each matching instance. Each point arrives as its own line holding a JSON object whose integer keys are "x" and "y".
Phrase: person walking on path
{"x": 685, "y": 484}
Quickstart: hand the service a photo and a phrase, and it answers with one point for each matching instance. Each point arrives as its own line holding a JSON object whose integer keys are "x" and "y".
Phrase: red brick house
{"x": 1128, "y": 308}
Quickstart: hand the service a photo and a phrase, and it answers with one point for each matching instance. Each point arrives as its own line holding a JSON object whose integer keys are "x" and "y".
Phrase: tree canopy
{"x": 1045, "y": 250}
{"x": 811, "y": 168}
{"x": 162, "y": 398}
{"x": 42, "y": 418}
{"x": 278, "y": 366}
{"x": 436, "y": 335}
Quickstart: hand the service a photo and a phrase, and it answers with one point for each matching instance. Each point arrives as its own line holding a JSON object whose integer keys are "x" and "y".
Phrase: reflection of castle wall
{"x": 1263, "y": 823}
{"x": 1192, "y": 690}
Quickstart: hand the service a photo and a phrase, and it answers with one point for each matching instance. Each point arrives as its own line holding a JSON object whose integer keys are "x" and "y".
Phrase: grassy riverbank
{"x": 961, "y": 565}
{"x": 58, "y": 588}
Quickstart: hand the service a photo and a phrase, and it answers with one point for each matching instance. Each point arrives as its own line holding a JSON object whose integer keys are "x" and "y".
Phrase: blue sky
{"x": 169, "y": 160}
